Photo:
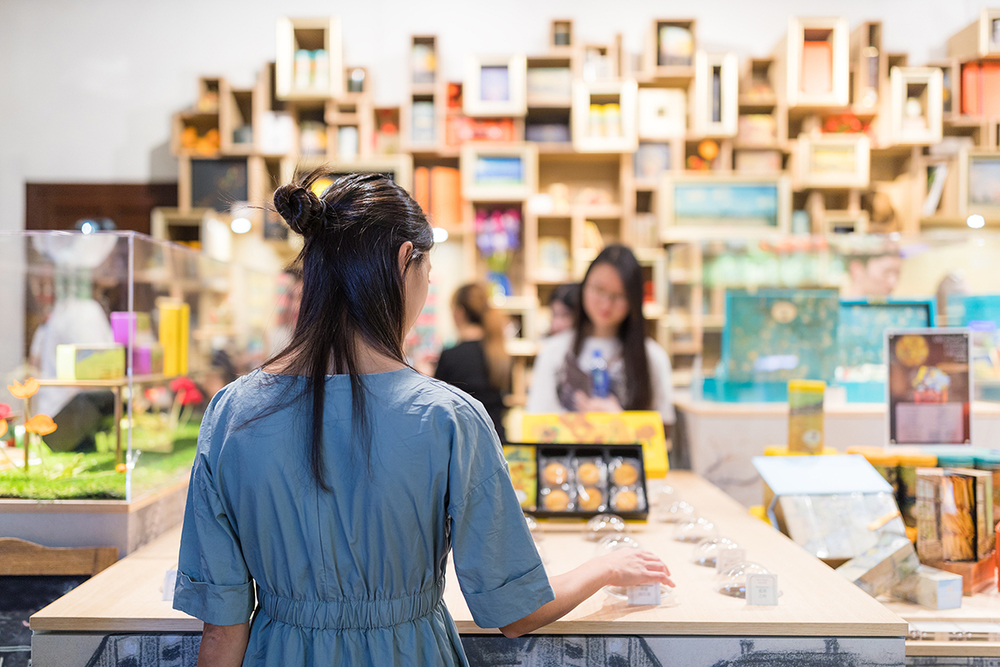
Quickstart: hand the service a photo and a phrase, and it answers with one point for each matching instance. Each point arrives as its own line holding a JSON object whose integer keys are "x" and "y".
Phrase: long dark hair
{"x": 631, "y": 332}
{"x": 352, "y": 287}
{"x": 475, "y": 303}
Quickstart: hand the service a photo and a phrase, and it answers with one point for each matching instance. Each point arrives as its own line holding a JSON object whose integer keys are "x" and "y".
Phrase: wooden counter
{"x": 817, "y": 605}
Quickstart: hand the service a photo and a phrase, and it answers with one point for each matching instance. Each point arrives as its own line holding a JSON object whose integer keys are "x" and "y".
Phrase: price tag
{"x": 762, "y": 589}
{"x": 647, "y": 594}
{"x": 169, "y": 580}
{"x": 727, "y": 558}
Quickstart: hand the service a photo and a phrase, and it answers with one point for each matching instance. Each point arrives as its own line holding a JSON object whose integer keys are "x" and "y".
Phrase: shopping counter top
{"x": 977, "y": 611}
{"x": 817, "y": 606}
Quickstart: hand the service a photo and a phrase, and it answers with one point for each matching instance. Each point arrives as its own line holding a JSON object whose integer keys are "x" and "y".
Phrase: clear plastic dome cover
{"x": 676, "y": 511}
{"x": 694, "y": 530}
{"x": 604, "y": 525}
{"x": 706, "y": 551}
{"x": 733, "y": 582}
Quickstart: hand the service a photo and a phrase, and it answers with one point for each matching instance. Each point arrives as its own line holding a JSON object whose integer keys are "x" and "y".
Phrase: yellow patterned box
{"x": 523, "y": 473}
{"x": 600, "y": 428}
{"x": 90, "y": 362}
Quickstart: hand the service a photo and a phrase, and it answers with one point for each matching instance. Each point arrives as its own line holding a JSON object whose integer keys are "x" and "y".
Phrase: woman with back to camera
{"x": 479, "y": 365}
{"x": 610, "y": 334}
{"x": 336, "y": 478}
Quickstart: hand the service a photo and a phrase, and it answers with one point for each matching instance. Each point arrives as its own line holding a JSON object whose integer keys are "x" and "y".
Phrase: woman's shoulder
{"x": 443, "y": 400}
{"x": 656, "y": 354}
{"x": 557, "y": 344}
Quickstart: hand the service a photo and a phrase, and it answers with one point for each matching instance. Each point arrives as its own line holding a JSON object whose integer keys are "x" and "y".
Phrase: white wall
{"x": 87, "y": 87}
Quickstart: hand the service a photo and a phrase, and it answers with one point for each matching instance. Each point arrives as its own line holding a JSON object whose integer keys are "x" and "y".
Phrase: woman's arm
{"x": 625, "y": 567}
{"x": 223, "y": 645}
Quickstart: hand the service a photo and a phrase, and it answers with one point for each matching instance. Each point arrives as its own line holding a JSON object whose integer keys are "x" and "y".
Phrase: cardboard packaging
{"x": 932, "y": 588}
{"x": 805, "y": 416}
{"x": 976, "y": 576}
{"x": 954, "y": 514}
{"x": 90, "y": 362}
{"x": 883, "y": 566}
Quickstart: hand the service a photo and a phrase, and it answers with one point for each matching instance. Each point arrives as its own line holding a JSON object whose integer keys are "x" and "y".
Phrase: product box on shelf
{"x": 932, "y": 588}
{"x": 954, "y": 514}
{"x": 976, "y": 576}
{"x": 580, "y": 480}
{"x": 883, "y": 566}
{"x": 90, "y": 362}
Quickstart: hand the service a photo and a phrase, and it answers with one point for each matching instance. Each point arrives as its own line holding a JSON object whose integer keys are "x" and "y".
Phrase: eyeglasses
{"x": 615, "y": 298}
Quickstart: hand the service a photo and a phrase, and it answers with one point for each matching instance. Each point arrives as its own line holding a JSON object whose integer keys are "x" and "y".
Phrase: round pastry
{"x": 556, "y": 500}
{"x": 590, "y": 499}
{"x": 625, "y": 501}
{"x": 626, "y": 474}
{"x": 555, "y": 474}
{"x": 588, "y": 473}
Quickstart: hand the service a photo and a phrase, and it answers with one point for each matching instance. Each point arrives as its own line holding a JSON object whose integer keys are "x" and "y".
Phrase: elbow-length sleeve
{"x": 498, "y": 567}
{"x": 213, "y": 582}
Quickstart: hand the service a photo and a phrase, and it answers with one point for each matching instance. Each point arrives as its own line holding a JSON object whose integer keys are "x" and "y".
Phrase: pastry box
{"x": 581, "y": 480}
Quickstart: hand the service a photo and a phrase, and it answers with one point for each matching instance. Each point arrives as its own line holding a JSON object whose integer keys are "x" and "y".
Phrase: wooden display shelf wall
{"x": 977, "y": 39}
{"x": 562, "y": 41}
{"x": 714, "y": 103}
{"x": 869, "y": 69}
{"x": 479, "y": 102}
{"x": 587, "y": 136}
{"x": 309, "y": 34}
{"x": 923, "y": 84}
{"x": 797, "y": 62}
{"x": 236, "y": 112}
{"x": 669, "y": 67}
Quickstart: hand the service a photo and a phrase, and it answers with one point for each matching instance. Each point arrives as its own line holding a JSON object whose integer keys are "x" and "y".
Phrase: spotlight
{"x": 440, "y": 235}
{"x": 976, "y": 221}
{"x": 240, "y": 225}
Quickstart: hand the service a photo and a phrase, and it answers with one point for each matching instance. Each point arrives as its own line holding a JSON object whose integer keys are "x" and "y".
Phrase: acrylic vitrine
{"x": 114, "y": 344}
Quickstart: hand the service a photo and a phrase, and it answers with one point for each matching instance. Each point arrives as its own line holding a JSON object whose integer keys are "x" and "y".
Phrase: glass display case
{"x": 116, "y": 343}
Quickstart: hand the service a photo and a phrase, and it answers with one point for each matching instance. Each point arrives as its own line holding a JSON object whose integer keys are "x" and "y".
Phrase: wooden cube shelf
{"x": 237, "y": 130}
{"x": 670, "y": 50}
{"x": 976, "y": 184}
{"x": 423, "y": 64}
{"x": 300, "y": 78}
{"x": 697, "y": 207}
{"x": 662, "y": 113}
{"x": 604, "y": 117}
{"x": 869, "y": 67}
{"x": 499, "y": 172}
{"x": 816, "y": 63}
{"x": 495, "y": 86}
{"x": 832, "y": 161}
{"x": 350, "y": 128}
{"x": 979, "y": 38}
{"x": 916, "y": 110}
{"x": 561, "y": 38}
{"x": 714, "y": 106}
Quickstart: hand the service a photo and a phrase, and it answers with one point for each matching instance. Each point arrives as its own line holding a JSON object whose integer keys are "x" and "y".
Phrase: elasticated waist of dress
{"x": 350, "y": 614}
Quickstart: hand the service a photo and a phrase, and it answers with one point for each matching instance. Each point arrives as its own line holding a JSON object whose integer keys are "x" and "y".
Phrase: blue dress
{"x": 354, "y": 576}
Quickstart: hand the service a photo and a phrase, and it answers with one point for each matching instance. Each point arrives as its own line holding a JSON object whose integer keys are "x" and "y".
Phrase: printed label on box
{"x": 644, "y": 595}
{"x": 762, "y": 589}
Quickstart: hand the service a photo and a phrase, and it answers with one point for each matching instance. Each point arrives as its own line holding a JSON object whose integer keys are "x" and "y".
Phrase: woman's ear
{"x": 405, "y": 251}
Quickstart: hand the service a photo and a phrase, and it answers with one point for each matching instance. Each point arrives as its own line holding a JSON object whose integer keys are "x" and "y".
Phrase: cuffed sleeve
{"x": 218, "y": 605}
{"x": 498, "y": 567}
{"x": 213, "y": 581}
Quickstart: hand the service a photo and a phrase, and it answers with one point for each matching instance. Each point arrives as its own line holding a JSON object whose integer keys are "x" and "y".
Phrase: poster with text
{"x": 930, "y": 387}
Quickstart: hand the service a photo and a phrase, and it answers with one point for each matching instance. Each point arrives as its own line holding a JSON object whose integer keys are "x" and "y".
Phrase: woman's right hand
{"x": 632, "y": 567}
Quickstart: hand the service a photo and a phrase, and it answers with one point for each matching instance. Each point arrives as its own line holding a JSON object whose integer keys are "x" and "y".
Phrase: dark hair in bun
{"x": 353, "y": 288}
{"x": 300, "y": 207}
